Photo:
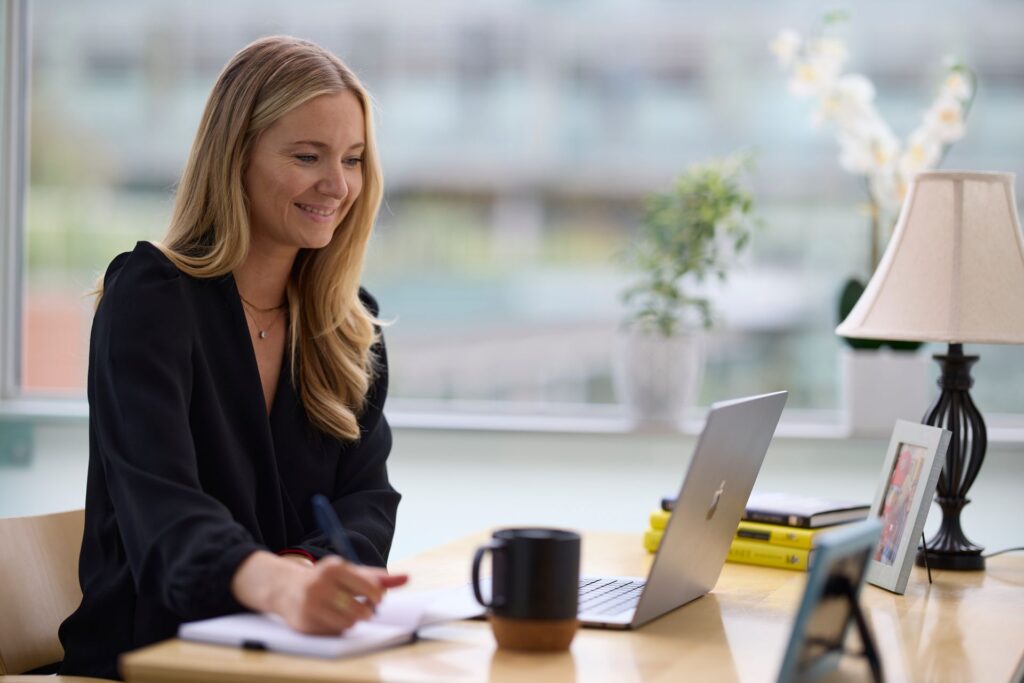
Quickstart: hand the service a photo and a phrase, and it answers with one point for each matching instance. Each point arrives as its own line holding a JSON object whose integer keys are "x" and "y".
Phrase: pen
{"x": 327, "y": 520}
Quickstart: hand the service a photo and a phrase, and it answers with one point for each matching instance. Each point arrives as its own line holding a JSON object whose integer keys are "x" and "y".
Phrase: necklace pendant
{"x": 263, "y": 334}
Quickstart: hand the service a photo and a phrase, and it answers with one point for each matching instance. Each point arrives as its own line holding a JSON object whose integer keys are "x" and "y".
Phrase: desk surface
{"x": 964, "y": 627}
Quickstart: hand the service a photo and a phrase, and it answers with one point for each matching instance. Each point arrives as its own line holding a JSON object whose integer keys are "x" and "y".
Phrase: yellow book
{"x": 659, "y": 519}
{"x": 652, "y": 539}
{"x": 768, "y": 555}
{"x": 754, "y": 534}
{"x": 749, "y": 552}
{"x": 776, "y": 534}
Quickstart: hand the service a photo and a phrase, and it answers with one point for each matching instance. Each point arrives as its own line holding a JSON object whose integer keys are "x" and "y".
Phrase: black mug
{"x": 534, "y": 587}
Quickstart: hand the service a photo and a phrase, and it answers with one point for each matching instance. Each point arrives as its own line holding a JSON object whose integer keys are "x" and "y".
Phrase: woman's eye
{"x": 353, "y": 162}
{"x": 306, "y": 158}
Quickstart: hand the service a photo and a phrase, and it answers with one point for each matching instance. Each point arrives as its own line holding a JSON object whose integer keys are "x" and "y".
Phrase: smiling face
{"x": 304, "y": 174}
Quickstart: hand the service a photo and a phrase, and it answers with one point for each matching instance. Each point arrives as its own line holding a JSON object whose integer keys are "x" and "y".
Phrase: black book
{"x": 790, "y": 509}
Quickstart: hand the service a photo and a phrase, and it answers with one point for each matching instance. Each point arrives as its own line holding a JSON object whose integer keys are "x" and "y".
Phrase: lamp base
{"x": 962, "y": 561}
{"x": 953, "y": 409}
{"x": 950, "y": 548}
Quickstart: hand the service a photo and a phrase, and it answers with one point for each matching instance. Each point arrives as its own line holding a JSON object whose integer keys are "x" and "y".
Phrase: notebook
{"x": 399, "y": 616}
{"x": 708, "y": 508}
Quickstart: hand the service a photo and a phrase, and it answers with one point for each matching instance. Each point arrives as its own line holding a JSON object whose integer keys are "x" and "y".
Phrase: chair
{"x": 38, "y": 590}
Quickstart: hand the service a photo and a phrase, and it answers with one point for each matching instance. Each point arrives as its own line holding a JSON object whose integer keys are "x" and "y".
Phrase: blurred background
{"x": 518, "y": 141}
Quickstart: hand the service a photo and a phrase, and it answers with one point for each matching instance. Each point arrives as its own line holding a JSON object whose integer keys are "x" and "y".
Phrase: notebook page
{"x": 271, "y": 633}
{"x": 413, "y": 610}
{"x": 398, "y": 617}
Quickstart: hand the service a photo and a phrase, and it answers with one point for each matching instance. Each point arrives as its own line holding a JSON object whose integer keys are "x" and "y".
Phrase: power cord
{"x": 1007, "y": 550}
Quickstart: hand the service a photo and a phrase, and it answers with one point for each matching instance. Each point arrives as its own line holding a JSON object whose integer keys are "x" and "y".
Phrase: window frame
{"x": 13, "y": 178}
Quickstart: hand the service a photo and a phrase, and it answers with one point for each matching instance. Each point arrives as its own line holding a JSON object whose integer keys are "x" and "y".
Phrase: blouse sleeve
{"x": 363, "y": 497}
{"x": 182, "y": 545}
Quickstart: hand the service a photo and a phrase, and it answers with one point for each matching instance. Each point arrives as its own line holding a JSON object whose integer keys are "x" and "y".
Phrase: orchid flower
{"x": 867, "y": 145}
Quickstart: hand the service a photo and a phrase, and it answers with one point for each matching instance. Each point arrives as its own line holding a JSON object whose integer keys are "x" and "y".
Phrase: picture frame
{"x": 906, "y": 486}
{"x": 831, "y": 601}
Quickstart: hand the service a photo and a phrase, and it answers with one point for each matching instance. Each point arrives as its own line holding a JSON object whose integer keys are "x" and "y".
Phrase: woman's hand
{"x": 325, "y": 598}
{"x": 333, "y": 595}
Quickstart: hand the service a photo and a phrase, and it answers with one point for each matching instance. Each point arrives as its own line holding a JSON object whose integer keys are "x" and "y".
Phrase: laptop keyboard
{"x": 608, "y": 596}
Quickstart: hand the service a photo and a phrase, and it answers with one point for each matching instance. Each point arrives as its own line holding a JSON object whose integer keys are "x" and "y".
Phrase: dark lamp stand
{"x": 954, "y": 410}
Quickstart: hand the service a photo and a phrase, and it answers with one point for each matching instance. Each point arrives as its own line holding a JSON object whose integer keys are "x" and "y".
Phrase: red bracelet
{"x": 297, "y": 551}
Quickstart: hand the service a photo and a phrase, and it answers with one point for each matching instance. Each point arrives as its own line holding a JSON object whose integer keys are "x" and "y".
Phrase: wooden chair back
{"x": 38, "y": 586}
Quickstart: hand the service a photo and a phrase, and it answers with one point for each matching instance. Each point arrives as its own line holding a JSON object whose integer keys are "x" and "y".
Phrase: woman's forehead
{"x": 334, "y": 120}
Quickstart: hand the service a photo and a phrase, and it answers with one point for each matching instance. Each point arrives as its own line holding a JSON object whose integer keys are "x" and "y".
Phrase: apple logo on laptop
{"x": 714, "y": 501}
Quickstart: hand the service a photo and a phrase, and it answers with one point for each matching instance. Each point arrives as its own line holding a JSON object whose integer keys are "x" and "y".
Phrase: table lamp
{"x": 953, "y": 273}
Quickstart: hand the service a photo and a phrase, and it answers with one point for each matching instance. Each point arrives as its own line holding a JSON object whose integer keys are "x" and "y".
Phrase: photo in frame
{"x": 912, "y": 466}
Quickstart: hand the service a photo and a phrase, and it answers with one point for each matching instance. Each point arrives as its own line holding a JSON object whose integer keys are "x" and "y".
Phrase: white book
{"x": 399, "y": 616}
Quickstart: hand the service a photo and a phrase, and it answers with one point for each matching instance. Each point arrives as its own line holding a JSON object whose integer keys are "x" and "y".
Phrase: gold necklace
{"x": 262, "y": 310}
{"x": 261, "y": 333}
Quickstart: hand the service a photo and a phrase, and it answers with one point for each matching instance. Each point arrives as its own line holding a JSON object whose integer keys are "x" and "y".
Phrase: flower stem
{"x": 876, "y": 237}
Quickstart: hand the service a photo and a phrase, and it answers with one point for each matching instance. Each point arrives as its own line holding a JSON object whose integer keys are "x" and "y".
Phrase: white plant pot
{"x": 658, "y": 378}
{"x": 881, "y": 386}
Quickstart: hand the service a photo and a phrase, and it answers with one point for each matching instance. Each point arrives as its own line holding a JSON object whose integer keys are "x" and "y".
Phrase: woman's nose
{"x": 333, "y": 183}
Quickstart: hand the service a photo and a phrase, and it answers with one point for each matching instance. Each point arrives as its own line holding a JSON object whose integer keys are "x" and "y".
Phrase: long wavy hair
{"x": 330, "y": 331}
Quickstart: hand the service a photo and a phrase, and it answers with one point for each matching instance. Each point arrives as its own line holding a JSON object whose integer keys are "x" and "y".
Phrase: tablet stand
{"x": 870, "y": 651}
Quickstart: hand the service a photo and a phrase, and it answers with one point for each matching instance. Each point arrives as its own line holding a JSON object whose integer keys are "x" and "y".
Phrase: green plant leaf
{"x": 688, "y": 233}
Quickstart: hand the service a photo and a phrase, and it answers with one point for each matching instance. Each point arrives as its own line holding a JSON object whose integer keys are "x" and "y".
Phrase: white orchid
{"x": 811, "y": 78}
{"x": 923, "y": 152}
{"x": 957, "y": 85}
{"x": 829, "y": 52}
{"x": 846, "y": 102}
{"x": 872, "y": 151}
{"x": 889, "y": 188}
{"x": 785, "y": 46}
{"x": 946, "y": 119}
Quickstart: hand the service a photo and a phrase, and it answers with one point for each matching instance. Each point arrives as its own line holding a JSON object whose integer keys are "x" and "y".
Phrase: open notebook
{"x": 399, "y": 616}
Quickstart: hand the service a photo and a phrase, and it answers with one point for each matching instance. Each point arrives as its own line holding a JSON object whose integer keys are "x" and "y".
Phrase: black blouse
{"x": 188, "y": 474}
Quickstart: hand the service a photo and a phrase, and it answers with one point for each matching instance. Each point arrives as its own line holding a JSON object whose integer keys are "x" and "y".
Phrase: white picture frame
{"x": 906, "y": 486}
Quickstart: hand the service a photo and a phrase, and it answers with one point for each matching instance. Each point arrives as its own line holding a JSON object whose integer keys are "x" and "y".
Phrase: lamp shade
{"x": 954, "y": 269}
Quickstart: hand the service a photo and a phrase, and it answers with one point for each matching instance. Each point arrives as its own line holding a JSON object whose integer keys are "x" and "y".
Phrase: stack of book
{"x": 777, "y": 530}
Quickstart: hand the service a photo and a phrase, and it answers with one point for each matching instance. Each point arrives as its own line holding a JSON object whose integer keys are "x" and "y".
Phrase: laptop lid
{"x": 710, "y": 503}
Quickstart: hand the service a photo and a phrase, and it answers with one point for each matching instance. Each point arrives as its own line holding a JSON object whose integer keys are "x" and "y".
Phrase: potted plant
{"x": 689, "y": 233}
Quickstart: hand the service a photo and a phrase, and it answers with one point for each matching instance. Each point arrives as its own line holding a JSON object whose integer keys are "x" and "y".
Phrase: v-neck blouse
{"x": 188, "y": 474}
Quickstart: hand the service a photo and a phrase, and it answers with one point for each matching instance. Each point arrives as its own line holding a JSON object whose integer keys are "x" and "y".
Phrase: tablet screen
{"x": 826, "y": 624}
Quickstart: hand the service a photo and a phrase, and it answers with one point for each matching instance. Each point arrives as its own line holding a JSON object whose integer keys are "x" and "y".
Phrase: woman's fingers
{"x": 346, "y": 603}
{"x": 365, "y": 581}
{"x": 337, "y": 594}
{"x": 327, "y": 620}
{"x": 330, "y": 610}
{"x": 394, "y": 580}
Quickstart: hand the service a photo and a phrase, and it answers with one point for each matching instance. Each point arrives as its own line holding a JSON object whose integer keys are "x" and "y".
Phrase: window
{"x": 518, "y": 142}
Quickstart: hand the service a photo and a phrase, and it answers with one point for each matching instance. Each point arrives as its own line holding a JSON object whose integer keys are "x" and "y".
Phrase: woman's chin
{"x": 317, "y": 240}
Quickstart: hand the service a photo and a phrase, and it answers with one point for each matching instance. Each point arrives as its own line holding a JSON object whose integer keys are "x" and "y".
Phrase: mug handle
{"x": 493, "y": 546}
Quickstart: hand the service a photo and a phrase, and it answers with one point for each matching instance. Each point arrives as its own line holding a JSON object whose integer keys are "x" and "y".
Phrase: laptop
{"x": 708, "y": 509}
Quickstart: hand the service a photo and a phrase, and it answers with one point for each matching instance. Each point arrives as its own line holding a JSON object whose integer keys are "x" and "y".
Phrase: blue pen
{"x": 327, "y": 520}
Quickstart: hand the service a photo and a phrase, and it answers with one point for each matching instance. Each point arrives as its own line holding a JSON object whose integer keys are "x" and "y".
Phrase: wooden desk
{"x": 964, "y": 627}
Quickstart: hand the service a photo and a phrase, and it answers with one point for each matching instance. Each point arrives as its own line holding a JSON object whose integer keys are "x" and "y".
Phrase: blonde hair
{"x": 330, "y": 331}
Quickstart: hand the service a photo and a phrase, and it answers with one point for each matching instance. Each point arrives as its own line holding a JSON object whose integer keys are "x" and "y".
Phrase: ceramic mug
{"x": 534, "y": 587}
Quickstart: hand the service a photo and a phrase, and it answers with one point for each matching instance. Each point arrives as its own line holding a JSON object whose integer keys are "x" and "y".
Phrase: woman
{"x": 235, "y": 371}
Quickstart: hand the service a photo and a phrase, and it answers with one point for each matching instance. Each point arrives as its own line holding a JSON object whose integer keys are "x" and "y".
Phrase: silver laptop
{"x": 708, "y": 509}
